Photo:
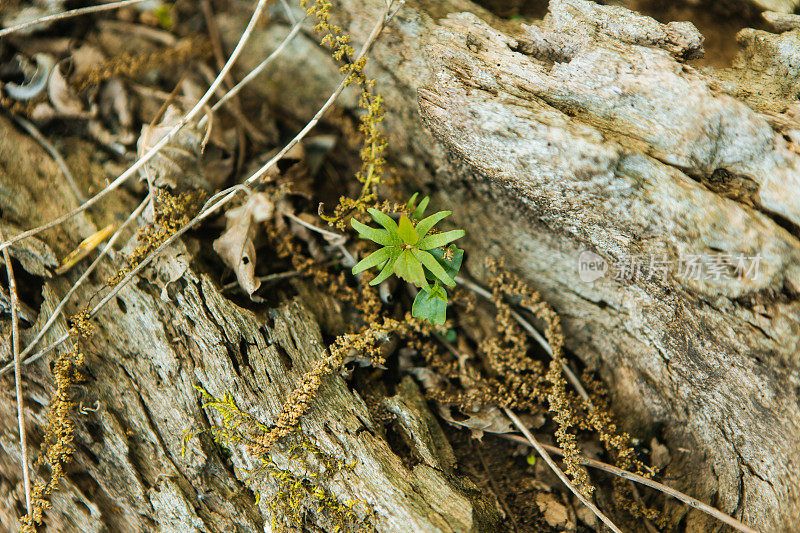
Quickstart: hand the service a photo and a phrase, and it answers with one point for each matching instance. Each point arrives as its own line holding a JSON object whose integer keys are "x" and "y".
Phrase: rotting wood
{"x": 143, "y": 364}
{"x": 582, "y": 133}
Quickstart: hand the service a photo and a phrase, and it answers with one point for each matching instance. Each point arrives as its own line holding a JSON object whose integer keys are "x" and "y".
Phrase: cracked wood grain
{"x": 591, "y": 130}
{"x": 142, "y": 366}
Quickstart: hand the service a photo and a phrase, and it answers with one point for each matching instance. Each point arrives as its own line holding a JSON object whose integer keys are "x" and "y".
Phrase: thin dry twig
{"x": 67, "y": 14}
{"x": 23, "y": 440}
{"x": 242, "y": 122}
{"x": 226, "y": 195}
{"x": 331, "y": 236}
{"x": 208, "y": 210}
{"x": 253, "y": 73}
{"x": 278, "y": 276}
{"x": 57, "y": 311}
{"x": 199, "y": 106}
{"x": 611, "y": 469}
{"x": 561, "y": 475}
{"x": 54, "y": 153}
{"x": 289, "y": 13}
{"x": 335, "y": 239}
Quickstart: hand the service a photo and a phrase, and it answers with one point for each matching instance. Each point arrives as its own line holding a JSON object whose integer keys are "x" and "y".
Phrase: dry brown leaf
{"x": 85, "y": 58}
{"x": 63, "y": 96}
{"x": 490, "y": 420}
{"x": 177, "y": 165}
{"x": 235, "y": 246}
{"x": 115, "y": 105}
{"x": 555, "y": 513}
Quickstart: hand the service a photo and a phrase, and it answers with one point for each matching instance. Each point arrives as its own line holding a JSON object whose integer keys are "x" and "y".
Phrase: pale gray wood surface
{"x": 577, "y": 133}
{"x": 142, "y": 367}
{"x": 592, "y": 131}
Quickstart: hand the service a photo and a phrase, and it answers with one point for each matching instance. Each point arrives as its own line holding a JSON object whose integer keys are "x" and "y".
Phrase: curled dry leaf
{"x": 85, "y": 58}
{"x": 115, "y": 130}
{"x": 115, "y": 105}
{"x": 62, "y": 95}
{"x": 63, "y": 102}
{"x": 235, "y": 246}
{"x": 177, "y": 165}
{"x": 36, "y": 77}
{"x": 490, "y": 420}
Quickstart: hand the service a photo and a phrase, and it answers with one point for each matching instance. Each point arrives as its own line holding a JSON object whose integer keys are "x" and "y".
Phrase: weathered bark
{"x": 591, "y": 131}
{"x": 544, "y": 141}
{"x": 142, "y": 367}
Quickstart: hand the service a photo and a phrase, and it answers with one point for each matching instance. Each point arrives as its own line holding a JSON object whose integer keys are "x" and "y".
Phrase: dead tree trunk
{"x": 593, "y": 132}
{"x": 153, "y": 347}
{"x": 590, "y": 132}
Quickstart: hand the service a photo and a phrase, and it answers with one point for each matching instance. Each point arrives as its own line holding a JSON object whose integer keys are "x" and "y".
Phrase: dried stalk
{"x": 611, "y": 469}
{"x": 571, "y": 377}
{"x": 78, "y": 283}
{"x": 561, "y": 475}
{"x": 253, "y": 73}
{"x": 69, "y": 14}
{"x": 23, "y": 440}
{"x": 213, "y": 204}
{"x": 528, "y": 327}
{"x": 199, "y": 106}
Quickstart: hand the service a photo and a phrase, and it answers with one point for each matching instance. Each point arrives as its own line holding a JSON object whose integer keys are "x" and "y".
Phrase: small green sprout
{"x": 412, "y": 252}
{"x": 163, "y": 14}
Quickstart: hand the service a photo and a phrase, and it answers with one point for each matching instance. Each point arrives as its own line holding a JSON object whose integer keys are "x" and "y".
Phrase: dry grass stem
{"x": 68, "y": 14}
{"x": 253, "y": 73}
{"x": 611, "y": 469}
{"x": 226, "y": 195}
{"x": 561, "y": 475}
{"x": 199, "y": 106}
{"x": 23, "y": 440}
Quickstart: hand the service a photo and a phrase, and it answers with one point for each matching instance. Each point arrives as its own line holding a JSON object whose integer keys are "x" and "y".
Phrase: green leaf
{"x": 420, "y": 210}
{"x": 440, "y": 239}
{"x": 387, "y": 271}
{"x": 407, "y": 231}
{"x": 376, "y": 235}
{"x": 452, "y": 265}
{"x": 451, "y": 335}
{"x": 384, "y": 220}
{"x": 410, "y": 204}
{"x": 431, "y": 306}
{"x": 409, "y": 268}
{"x": 425, "y": 225}
{"x": 433, "y": 265}
{"x": 376, "y": 258}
